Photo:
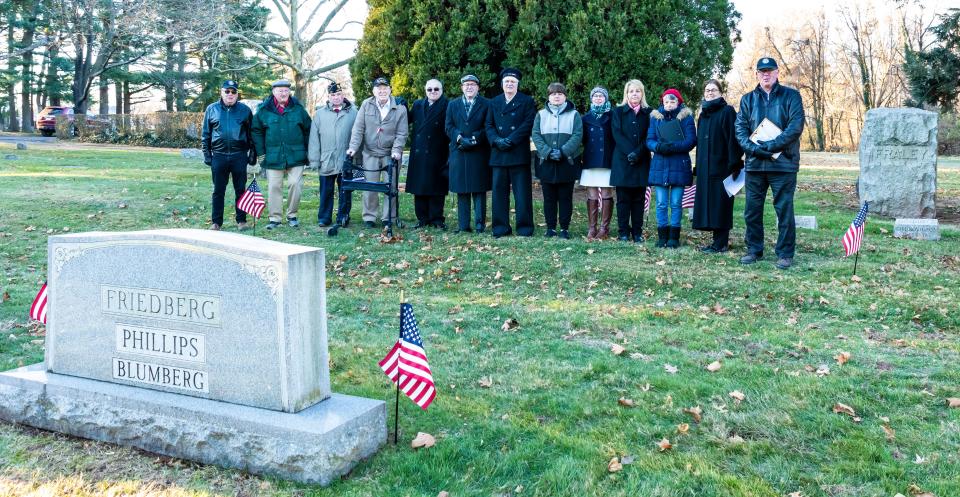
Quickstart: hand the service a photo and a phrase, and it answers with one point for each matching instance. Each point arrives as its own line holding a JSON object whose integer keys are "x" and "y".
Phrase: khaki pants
{"x": 275, "y": 192}
{"x": 371, "y": 200}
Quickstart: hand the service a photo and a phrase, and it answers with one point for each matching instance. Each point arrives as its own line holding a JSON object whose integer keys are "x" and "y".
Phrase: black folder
{"x": 670, "y": 132}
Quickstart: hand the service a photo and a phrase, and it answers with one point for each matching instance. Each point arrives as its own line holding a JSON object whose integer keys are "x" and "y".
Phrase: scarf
{"x": 711, "y": 106}
{"x": 599, "y": 110}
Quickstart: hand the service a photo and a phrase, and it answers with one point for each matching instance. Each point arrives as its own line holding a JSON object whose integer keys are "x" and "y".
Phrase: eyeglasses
{"x": 433, "y": 89}
{"x": 229, "y": 91}
{"x": 712, "y": 90}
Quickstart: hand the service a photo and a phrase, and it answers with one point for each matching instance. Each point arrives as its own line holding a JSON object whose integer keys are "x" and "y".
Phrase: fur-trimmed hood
{"x": 679, "y": 113}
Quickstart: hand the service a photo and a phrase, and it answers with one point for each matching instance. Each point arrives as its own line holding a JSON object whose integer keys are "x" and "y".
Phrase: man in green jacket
{"x": 281, "y": 130}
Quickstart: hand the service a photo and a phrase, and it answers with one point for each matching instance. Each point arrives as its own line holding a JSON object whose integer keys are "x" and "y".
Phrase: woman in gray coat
{"x": 329, "y": 139}
{"x": 557, "y": 133}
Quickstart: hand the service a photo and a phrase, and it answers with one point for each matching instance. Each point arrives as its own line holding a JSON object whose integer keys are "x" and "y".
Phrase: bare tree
{"x": 871, "y": 57}
{"x": 811, "y": 50}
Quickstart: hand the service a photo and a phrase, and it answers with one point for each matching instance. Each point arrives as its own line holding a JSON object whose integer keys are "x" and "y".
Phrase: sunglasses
{"x": 433, "y": 89}
{"x": 229, "y": 91}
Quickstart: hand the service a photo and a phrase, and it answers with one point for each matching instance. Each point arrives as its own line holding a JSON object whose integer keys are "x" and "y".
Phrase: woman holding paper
{"x": 718, "y": 156}
{"x": 672, "y": 135}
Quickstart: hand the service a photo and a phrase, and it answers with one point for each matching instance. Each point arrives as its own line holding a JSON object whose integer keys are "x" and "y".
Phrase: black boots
{"x": 663, "y": 235}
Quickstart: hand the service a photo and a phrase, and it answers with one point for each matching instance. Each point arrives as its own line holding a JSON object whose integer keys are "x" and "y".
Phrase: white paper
{"x": 734, "y": 185}
{"x": 766, "y": 131}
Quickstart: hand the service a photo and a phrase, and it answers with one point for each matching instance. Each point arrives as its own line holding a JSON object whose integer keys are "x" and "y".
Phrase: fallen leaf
{"x": 518, "y": 489}
{"x": 891, "y": 434}
{"x": 498, "y": 276}
{"x": 683, "y": 428}
{"x": 795, "y": 494}
{"x": 646, "y": 387}
{"x": 670, "y": 368}
{"x": 844, "y": 409}
{"x": 614, "y": 465}
{"x": 510, "y": 324}
{"x": 728, "y": 353}
{"x": 122, "y": 206}
{"x": 842, "y": 358}
{"x": 953, "y": 402}
{"x": 485, "y": 382}
{"x": 443, "y": 493}
{"x": 384, "y": 281}
{"x": 738, "y": 395}
{"x": 694, "y": 411}
{"x": 424, "y": 440}
{"x": 719, "y": 309}
{"x": 30, "y": 228}
{"x": 918, "y": 459}
{"x": 664, "y": 445}
{"x": 714, "y": 366}
{"x": 625, "y": 402}
{"x": 855, "y": 279}
{"x": 6, "y": 297}
{"x": 617, "y": 349}
{"x": 823, "y": 370}
{"x": 735, "y": 439}
{"x": 625, "y": 460}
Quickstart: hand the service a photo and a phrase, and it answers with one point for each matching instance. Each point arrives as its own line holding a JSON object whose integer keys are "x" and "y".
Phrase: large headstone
{"x": 898, "y": 162}
{"x": 198, "y": 344}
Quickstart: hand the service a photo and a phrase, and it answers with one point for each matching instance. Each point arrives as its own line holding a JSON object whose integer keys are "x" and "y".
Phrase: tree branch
{"x": 326, "y": 22}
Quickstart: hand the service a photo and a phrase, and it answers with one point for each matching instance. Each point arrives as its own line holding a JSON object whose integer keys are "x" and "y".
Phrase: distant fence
{"x": 159, "y": 129}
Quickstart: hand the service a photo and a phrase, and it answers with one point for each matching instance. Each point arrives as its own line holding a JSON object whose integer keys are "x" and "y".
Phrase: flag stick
{"x": 396, "y": 404}
{"x": 254, "y": 225}
{"x": 855, "y": 259}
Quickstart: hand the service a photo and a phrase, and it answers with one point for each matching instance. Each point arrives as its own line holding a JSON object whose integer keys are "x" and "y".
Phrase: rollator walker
{"x": 353, "y": 179}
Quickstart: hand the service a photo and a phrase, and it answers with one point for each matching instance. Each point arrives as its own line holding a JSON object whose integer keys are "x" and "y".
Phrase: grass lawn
{"x": 542, "y": 408}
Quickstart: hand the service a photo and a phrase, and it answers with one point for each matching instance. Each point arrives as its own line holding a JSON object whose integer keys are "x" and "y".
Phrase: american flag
{"x": 646, "y": 200}
{"x": 854, "y": 235}
{"x": 406, "y": 363}
{"x": 688, "y": 194}
{"x": 38, "y": 310}
{"x": 251, "y": 201}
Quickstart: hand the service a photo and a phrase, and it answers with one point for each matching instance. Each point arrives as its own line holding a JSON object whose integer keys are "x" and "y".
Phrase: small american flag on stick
{"x": 854, "y": 235}
{"x": 646, "y": 200}
{"x": 251, "y": 201}
{"x": 406, "y": 363}
{"x": 38, "y": 310}
{"x": 688, "y": 195}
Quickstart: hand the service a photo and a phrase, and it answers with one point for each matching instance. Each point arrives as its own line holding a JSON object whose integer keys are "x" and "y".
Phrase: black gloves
{"x": 735, "y": 172}
{"x": 555, "y": 154}
{"x": 762, "y": 153}
{"x": 208, "y": 160}
{"x": 503, "y": 143}
{"x": 252, "y": 157}
{"x": 467, "y": 143}
{"x": 694, "y": 170}
{"x": 632, "y": 157}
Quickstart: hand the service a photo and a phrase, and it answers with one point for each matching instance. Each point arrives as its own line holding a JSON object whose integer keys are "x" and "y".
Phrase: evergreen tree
{"x": 582, "y": 43}
{"x": 933, "y": 75}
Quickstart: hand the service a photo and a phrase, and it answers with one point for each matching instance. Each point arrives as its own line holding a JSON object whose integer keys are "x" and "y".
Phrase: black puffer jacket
{"x": 782, "y": 107}
{"x": 226, "y": 130}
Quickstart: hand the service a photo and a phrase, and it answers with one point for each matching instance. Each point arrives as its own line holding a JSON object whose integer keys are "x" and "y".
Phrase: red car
{"x": 47, "y": 118}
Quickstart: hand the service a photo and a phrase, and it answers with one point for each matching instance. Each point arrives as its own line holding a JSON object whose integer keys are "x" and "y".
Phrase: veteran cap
{"x": 766, "y": 64}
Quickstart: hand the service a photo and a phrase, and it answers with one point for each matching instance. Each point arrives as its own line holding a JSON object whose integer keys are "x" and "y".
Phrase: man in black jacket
{"x": 772, "y": 163}
{"x": 509, "y": 124}
{"x": 227, "y": 149}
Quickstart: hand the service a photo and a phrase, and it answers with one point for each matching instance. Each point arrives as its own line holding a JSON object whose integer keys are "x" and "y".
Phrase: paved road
{"x": 21, "y": 138}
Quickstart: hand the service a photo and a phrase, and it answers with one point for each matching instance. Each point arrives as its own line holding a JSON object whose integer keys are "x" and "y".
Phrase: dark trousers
{"x": 479, "y": 201}
{"x": 519, "y": 180}
{"x": 783, "y": 186}
{"x": 429, "y": 208}
{"x": 630, "y": 200}
{"x": 223, "y": 167}
{"x": 344, "y": 203}
{"x": 557, "y": 195}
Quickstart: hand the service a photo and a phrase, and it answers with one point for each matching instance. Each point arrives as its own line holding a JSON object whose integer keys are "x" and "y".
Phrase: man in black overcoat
{"x": 429, "y": 149}
{"x": 470, "y": 175}
{"x": 509, "y": 123}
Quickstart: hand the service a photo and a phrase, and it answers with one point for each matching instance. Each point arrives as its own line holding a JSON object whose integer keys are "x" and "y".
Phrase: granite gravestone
{"x": 917, "y": 229}
{"x": 806, "y": 222}
{"x": 898, "y": 163}
{"x": 205, "y": 345}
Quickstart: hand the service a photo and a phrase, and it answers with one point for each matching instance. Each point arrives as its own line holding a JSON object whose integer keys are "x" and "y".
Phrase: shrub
{"x": 160, "y": 129}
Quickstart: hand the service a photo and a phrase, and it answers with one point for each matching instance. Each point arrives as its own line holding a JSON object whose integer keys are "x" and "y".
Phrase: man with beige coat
{"x": 381, "y": 131}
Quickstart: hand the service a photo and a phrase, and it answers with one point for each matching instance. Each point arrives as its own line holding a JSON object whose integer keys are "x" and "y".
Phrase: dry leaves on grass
{"x": 695, "y": 412}
{"x": 614, "y": 465}
{"x": 423, "y": 440}
{"x": 617, "y": 349}
{"x": 683, "y": 428}
{"x": 443, "y": 493}
{"x": 714, "y": 366}
{"x": 670, "y": 368}
{"x": 485, "y": 382}
{"x": 841, "y": 408}
{"x": 510, "y": 324}
{"x": 625, "y": 402}
{"x": 842, "y": 358}
{"x": 889, "y": 432}
{"x": 664, "y": 445}
{"x": 6, "y": 297}
{"x": 738, "y": 396}
{"x": 953, "y": 402}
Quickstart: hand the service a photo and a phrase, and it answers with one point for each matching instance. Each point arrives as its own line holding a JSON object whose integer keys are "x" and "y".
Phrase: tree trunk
{"x": 126, "y": 98}
{"x": 181, "y": 76}
{"x": 167, "y": 72}
{"x": 54, "y": 97}
{"x": 117, "y": 97}
{"x": 14, "y": 124}
{"x": 104, "y": 95}
{"x": 26, "y": 68}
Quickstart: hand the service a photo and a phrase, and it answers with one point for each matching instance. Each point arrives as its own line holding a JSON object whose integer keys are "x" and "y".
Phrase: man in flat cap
{"x": 380, "y": 132}
{"x": 509, "y": 124}
{"x": 329, "y": 140}
{"x": 772, "y": 162}
{"x": 281, "y": 129}
{"x": 227, "y": 148}
{"x": 427, "y": 173}
{"x": 470, "y": 176}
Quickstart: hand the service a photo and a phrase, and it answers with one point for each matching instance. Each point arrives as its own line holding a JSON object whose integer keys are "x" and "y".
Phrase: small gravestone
{"x": 917, "y": 229}
{"x": 191, "y": 153}
{"x": 209, "y": 346}
{"x": 21, "y": 146}
{"x": 10, "y": 157}
{"x": 898, "y": 163}
{"x": 806, "y": 222}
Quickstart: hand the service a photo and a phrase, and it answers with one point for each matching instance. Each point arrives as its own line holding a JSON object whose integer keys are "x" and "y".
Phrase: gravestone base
{"x": 315, "y": 445}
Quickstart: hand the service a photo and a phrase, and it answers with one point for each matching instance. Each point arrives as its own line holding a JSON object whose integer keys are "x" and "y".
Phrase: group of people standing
{"x": 470, "y": 145}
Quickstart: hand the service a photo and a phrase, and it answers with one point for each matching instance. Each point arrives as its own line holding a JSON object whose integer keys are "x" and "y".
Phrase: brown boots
{"x": 593, "y": 209}
{"x": 606, "y": 214}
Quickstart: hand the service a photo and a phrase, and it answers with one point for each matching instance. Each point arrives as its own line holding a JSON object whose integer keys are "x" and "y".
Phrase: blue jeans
{"x": 675, "y": 196}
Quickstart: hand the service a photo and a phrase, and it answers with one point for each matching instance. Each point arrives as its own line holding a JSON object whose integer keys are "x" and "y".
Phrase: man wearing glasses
{"x": 429, "y": 149}
{"x": 227, "y": 149}
{"x": 281, "y": 131}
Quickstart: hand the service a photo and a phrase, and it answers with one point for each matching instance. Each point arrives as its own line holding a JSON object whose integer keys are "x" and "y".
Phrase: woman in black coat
{"x": 597, "y": 157}
{"x": 718, "y": 155}
{"x": 470, "y": 174}
{"x": 630, "y": 167}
